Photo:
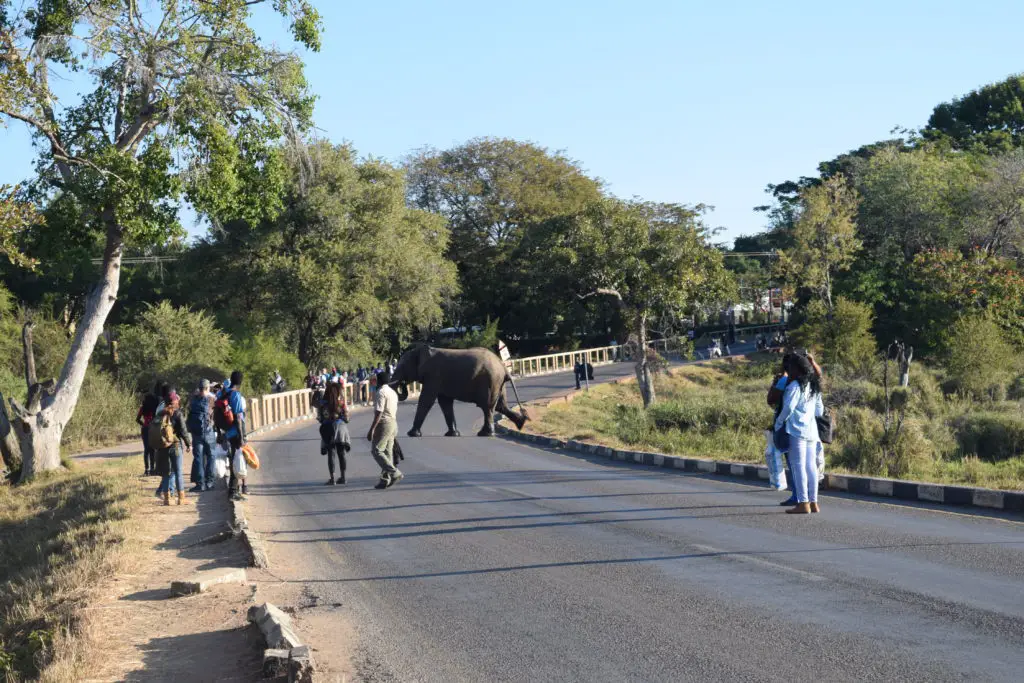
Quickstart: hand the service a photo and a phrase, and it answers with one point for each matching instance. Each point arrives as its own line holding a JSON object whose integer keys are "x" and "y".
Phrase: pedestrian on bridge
{"x": 334, "y": 438}
{"x": 384, "y": 430}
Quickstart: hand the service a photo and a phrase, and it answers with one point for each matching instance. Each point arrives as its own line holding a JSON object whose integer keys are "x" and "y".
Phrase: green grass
{"x": 717, "y": 410}
{"x": 60, "y": 537}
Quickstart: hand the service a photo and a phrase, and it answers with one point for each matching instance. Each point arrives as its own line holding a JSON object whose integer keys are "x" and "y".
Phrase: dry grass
{"x": 717, "y": 410}
{"x": 61, "y": 536}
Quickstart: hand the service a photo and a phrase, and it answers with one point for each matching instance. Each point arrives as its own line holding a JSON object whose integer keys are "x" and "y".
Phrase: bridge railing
{"x": 274, "y": 409}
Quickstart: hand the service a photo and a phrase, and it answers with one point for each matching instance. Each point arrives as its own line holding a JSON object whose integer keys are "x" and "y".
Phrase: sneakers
{"x": 789, "y": 501}
{"x": 329, "y": 482}
{"x": 383, "y": 483}
{"x": 341, "y": 479}
{"x": 236, "y": 496}
{"x": 395, "y": 478}
{"x": 198, "y": 488}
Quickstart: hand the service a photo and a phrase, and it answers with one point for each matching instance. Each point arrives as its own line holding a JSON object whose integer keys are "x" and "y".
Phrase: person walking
{"x": 383, "y": 432}
{"x": 173, "y": 434}
{"x": 147, "y": 411}
{"x": 200, "y": 427}
{"x": 801, "y": 404}
{"x": 334, "y": 438}
{"x": 235, "y": 433}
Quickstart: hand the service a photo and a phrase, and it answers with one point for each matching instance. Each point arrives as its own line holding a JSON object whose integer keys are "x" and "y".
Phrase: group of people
{"x": 796, "y": 396}
{"x": 366, "y": 380}
{"x": 778, "y": 339}
{"x": 335, "y": 442}
{"x": 214, "y": 414}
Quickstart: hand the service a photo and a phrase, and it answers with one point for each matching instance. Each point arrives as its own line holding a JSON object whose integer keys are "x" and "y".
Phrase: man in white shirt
{"x": 384, "y": 430}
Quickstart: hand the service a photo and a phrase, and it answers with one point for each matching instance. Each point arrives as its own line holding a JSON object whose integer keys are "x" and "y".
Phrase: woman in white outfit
{"x": 801, "y": 404}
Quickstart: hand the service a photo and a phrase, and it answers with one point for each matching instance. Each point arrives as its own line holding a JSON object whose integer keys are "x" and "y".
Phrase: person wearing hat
{"x": 168, "y": 459}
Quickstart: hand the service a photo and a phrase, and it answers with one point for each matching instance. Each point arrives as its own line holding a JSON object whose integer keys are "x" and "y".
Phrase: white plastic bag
{"x": 820, "y": 459}
{"x": 774, "y": 459}
{"x": 241, "y": 471}
{"x": 220, "y": 462}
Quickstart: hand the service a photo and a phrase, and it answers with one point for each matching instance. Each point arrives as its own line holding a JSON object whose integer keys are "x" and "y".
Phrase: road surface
{"x": 496, "y": 561}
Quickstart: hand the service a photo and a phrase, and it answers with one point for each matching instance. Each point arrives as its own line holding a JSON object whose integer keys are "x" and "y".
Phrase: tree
{"x": 177, "y": 345}
{"x": 493, "y": 192}
{"x": 991, "y": 117}
{"x": 650, "y": 258}
{"x": 16, "y": 216}
{"x": 943, "y": 285}
{"x": 824, "y": 236}
{"x": 183, "y": 97}
{"x": 346, "y": 260}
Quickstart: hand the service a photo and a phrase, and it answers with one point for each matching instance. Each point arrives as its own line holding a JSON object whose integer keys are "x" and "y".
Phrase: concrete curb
{"x": 285, "y": 653}
{"x": 204, "y": 581}
{"x": 944, "y": 494}
{"x": 257, "y": 551}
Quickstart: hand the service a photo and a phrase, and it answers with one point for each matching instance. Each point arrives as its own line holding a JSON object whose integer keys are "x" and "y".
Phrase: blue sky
{"x": 670, "y": 101}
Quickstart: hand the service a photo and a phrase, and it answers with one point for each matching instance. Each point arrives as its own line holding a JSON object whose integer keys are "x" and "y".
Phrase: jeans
{"x": 174, "y": 478}
{"x": 336, "y": 451}
{"x": 202, "y": 458}
{"x": 148, "y": 453}
{"x": 805, "y": 469}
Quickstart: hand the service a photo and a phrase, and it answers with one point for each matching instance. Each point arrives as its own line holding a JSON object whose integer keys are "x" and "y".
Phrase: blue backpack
{"x": 199, "y": 415}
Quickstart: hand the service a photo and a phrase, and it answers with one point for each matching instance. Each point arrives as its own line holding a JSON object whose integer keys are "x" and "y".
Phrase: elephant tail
{"x": 508, "y": 378}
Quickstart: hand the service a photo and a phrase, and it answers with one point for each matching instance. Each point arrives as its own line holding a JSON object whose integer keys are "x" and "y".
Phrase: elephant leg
{"x": 448, "y": 408}
{"x": 423, "y": 406}
{"x": 488, "y": 428}
{"x": 519, "y": 419}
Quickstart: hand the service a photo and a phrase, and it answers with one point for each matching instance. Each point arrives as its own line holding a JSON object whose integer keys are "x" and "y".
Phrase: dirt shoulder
{"x": 146, "y": 634}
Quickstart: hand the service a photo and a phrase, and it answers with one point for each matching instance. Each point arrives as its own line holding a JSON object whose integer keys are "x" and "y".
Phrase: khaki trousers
{"x": 384, "y": 446}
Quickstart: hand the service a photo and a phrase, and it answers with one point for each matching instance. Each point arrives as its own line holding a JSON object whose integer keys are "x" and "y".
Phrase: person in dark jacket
{"x": 169, "y": 458}
{"x": 334, "y": 437}
{"x": 147, "y": 411}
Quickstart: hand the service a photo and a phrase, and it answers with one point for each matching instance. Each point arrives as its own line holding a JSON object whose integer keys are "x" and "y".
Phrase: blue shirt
{"x": 799, "y": 408}
{"x": 238, "y": 408}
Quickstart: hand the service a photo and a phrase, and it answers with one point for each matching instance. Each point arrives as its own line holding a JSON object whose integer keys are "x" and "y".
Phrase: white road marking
{"x": 758, "y": 561}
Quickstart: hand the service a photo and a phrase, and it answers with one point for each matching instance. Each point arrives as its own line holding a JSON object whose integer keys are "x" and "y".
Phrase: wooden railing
{"x": 272, "y": 409}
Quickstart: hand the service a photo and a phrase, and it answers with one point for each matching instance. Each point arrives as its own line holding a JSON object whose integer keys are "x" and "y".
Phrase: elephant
{"x": 448, "y": 375}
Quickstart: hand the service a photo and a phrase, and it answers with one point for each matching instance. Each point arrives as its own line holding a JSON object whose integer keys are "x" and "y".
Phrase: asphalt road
{"x": 495, "y": 561}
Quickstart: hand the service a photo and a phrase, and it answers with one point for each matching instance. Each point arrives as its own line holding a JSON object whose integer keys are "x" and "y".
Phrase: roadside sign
{"x": 503, "y": 351}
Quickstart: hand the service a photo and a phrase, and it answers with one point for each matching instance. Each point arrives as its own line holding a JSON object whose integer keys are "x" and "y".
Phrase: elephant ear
{"x": 425, "y": 353}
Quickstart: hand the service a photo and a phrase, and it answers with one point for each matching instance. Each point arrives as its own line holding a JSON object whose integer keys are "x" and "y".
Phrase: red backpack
{"x": 223, "y": 416}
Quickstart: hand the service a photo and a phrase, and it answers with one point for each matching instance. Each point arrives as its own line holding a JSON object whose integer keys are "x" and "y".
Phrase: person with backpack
{"x": 168, "y": 434}
{"x": 147, "y": 411}
{"x": 200, "y": 427}
{"x": 229, "y": 416}
{"x": 801, "y": 406}
{"x": 334, "y": 437}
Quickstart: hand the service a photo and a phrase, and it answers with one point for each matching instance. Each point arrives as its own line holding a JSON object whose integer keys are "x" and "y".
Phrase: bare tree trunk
{"x": 644, "y": 377}
{"x": 10, "y": 447}
{"x": 40, "y": 424}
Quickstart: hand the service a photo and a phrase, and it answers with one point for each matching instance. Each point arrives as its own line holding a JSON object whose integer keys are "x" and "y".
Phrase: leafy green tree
{"x": 650, "y": 258}
{"x": 991, "y": 117}
{"x": 260, "y": 355}
{"x": 184, "y": 97}
{"x": 494, "y": 192}
{"x": 944, "y": 285}
{"x": 345, "y": 261}
{"x": 177, "y": 345}
{"x": 841, "y": 335}
{"x": 824, "y": 238}
{"x": 978, "y": 357}
{"x": 16, "y": 216}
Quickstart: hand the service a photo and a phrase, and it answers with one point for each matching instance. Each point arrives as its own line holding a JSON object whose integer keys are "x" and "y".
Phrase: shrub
{"x": 990, "y": 435}
{"x": 1015, "y": 392}
{"x": 166, "y": 339}
{"x": 980, "y": 361}
{"x": 842, "y": 337}
{"x": 258, "y": 357}
{"x": 861, "y": 393}
{"x": 105, "y": 414}
{"x": 864, "y": 450}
